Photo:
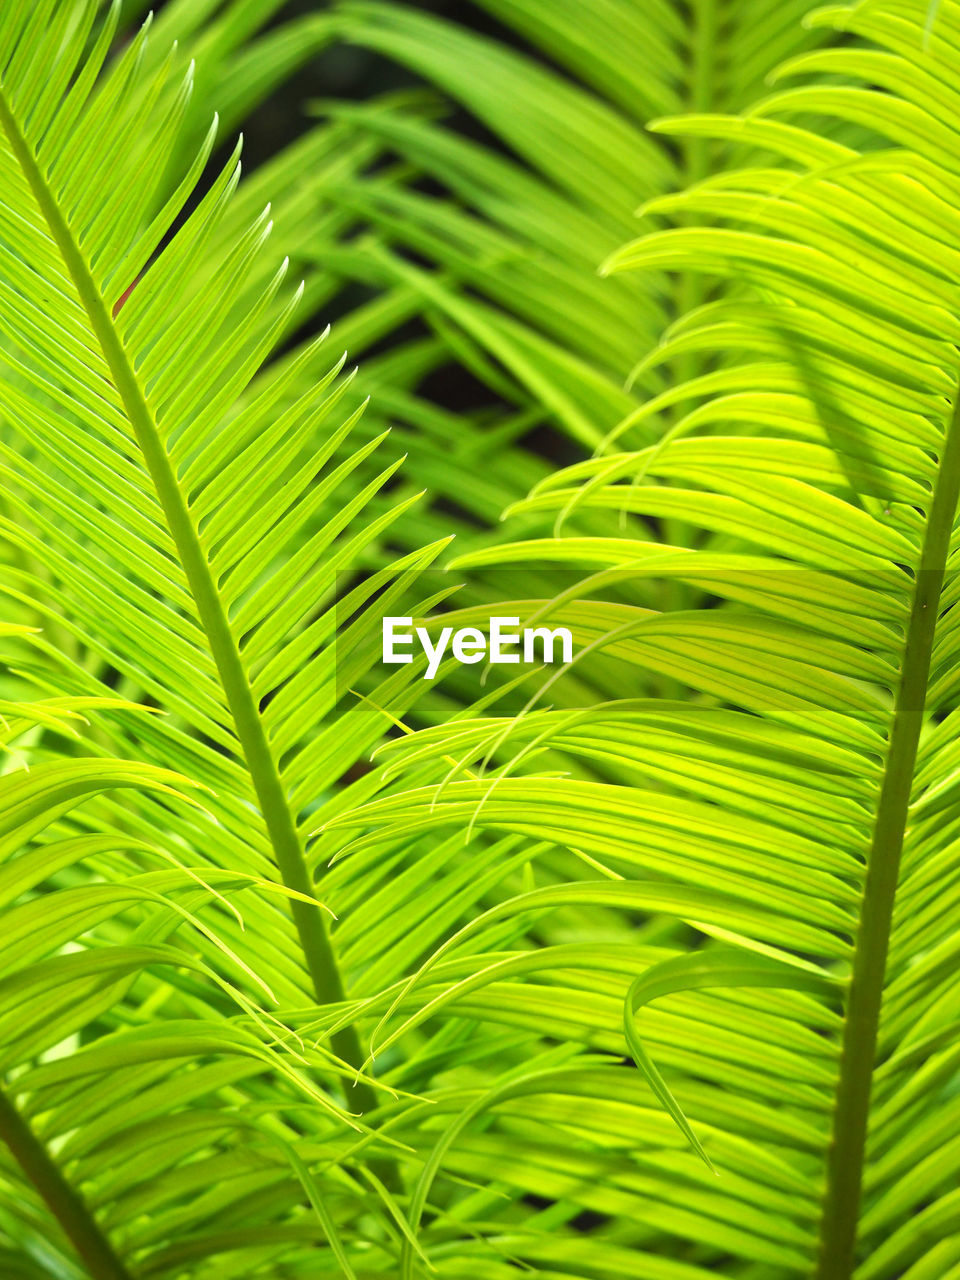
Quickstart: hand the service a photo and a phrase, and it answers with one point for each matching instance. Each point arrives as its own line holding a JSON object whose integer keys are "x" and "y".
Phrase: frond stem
{"x": 78, "y": 1223}
{"x": 281, "y": 828}
{"x": 838, "y": 1229}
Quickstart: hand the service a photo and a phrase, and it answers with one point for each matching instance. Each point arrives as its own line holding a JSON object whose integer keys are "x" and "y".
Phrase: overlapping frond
{"x": 797, "y": 802}
{"x": 98, "y": 929}
{"x": 510, "y": 286}
{"x": 181, "y": 536}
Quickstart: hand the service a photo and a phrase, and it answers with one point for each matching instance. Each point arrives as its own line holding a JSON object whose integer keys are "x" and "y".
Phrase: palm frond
{"x": 801, "y": 812}
{"x": 655, "y": 985}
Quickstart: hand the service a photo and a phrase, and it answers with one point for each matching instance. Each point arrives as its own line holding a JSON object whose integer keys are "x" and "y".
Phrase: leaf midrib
{"x": 70, "y": 1210}
{"x": 281, "y": 828}
{"x": 841, "y": 1209}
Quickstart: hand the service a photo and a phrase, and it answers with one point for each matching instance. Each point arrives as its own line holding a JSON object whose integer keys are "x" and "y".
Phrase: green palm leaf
{"x": 808, "y": 816}
{"x": 67, "y": 972}
{"x": 158, "y": 431}
{"x": 515, "y": 247}
{"x": 190, "y": 544}
{"x": 655, "y": 985}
